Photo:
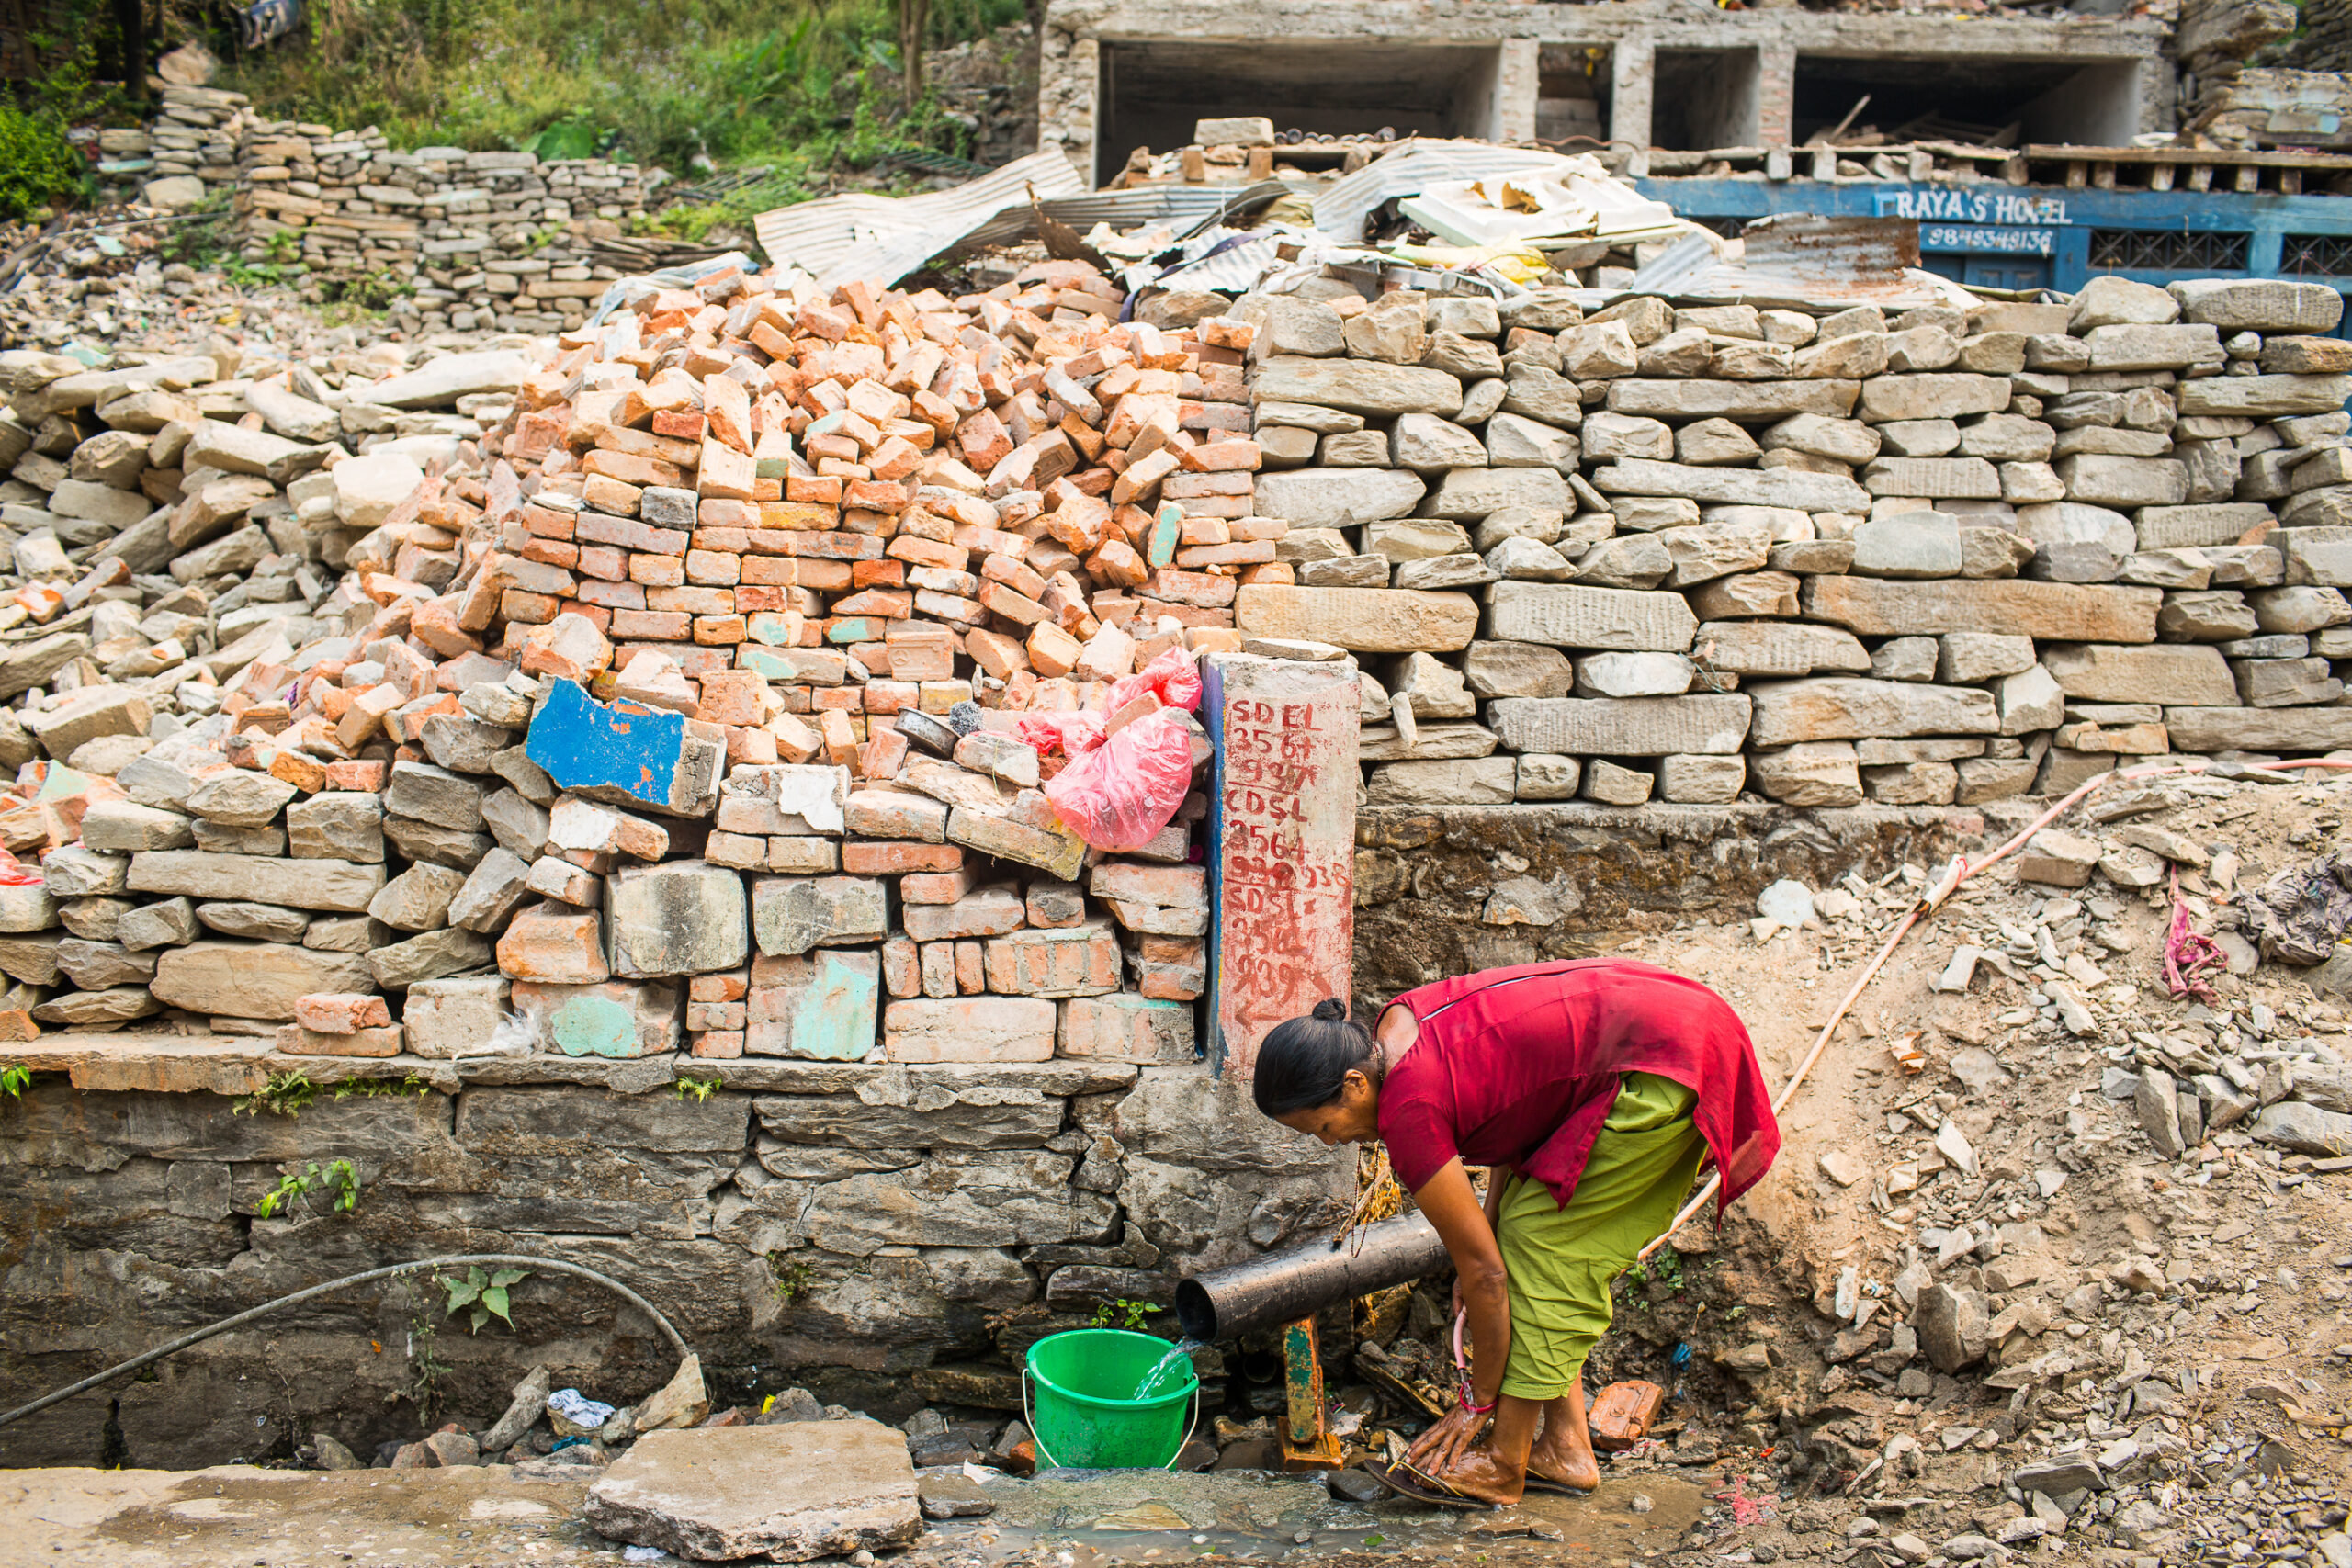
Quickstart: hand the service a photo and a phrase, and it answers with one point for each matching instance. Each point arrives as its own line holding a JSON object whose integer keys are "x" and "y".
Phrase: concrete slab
{"x": 234, "y": 1515}
{"x": 789, "y": 1492}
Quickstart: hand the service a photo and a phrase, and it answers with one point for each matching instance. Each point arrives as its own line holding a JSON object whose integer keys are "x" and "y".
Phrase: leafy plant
{"x": 1121, "y": 1313}
{"x": 697, "y": 1089}
{"x": 14, "y": 1078}
{"x": 789, "y": 1278}
{"x": 296, "y": 1187}
{"x": 38, "y": 164}
{"x": 284, "y": 1095}
{"x": 425, "y": 1368}
{"x": 480, "y": 1296}
{"x": 379, "y": 1088}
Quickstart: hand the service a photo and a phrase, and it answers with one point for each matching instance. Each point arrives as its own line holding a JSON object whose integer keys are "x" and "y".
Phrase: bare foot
{"x": 1568, "y": 1463}
{"x": 1478, "y": 1473}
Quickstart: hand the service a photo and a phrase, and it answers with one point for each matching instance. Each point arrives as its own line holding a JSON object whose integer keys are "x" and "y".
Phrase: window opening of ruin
{"x": 1705, "y": 98}
{"x": 1978, "y": 101}
{"x": 1151, "y": 93}
{"x": 1572, "y": 96}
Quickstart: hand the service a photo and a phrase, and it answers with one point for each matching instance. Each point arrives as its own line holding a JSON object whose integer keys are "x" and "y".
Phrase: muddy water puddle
{"x": 1152, "y": 1517}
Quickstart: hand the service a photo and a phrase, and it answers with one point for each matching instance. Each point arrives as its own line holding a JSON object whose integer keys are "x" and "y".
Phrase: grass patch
{"x": 685, "y": 84}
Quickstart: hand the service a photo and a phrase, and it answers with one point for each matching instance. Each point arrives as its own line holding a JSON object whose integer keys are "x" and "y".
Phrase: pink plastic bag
{"x": 1121, "y": 793}
{"x": 1069, "y": 732}
{"x": 1172, "y": 677}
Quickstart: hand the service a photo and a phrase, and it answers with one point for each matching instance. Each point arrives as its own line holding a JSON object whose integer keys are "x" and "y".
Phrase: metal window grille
{"x": 2133, "y": 250}
{"x": 2316, "y": 255}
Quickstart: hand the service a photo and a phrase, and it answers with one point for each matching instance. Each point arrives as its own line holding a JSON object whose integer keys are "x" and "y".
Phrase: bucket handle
{"x": 1028, "y": 1419}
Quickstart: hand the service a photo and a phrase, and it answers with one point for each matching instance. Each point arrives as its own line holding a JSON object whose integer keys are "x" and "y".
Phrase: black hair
{"x": 1304, "y": 1063}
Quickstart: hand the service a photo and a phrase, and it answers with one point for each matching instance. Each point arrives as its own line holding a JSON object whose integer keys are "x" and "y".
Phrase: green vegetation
{"x": 480, "y": 1296}
{"x": 789, "y": 1278}
{"x": 1121, "y": 1313}
{"x": 697, "y": 1089}
{"x": 686, "y": 84}
{"x": 284, "y": 1095}
{"x": 296, "y": 1187}
{"x": 14, "y": 1078}
{"x": 37, "y": 166}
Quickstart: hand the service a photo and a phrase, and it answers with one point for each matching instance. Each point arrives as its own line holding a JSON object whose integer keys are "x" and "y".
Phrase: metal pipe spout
{"x": 1283, "y": 1287}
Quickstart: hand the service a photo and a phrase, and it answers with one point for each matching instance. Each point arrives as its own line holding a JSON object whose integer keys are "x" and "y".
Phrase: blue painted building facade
{"x": 2021, "y": 237}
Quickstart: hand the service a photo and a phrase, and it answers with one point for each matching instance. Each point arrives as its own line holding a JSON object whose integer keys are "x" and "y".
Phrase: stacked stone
{"x": 194, "y": 136}
{"x": 485, "y": 239}
{"x": 874, "y": 504}
{"x": 1682, "y": 553}
{"x": 287, "y": 790}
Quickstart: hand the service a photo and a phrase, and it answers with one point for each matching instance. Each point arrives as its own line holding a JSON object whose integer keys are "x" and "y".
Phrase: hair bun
{"x": 1330, "y": 1009}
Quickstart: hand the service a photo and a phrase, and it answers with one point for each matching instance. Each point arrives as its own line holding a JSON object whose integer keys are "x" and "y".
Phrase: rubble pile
{"x": 1687, "y": 553}
{"x": 703, "y": 699}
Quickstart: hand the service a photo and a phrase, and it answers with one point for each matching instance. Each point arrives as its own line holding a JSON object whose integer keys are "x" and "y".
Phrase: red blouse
{"x": 1519, "y": 1066}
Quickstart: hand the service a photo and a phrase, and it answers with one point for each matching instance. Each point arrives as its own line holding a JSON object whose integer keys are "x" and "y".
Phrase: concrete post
{"x": 1632, "y": 91}
{"x": 1511, "y": 110}
{"x": 1282, "y": 845}
{"x": 1776, "y": 93}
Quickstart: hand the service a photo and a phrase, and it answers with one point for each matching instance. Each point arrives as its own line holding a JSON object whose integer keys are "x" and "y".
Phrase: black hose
{"x": 549, "y": 1265}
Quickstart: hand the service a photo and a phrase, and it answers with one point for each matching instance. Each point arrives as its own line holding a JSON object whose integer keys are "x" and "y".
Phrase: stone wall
{"x": 876, "y": 1233}
{"x": 1696, "y": 554}
{"x": 479, "y": 240}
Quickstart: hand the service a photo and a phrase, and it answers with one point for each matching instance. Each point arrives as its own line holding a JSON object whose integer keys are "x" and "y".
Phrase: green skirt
{"x": 1561, "y": 1261}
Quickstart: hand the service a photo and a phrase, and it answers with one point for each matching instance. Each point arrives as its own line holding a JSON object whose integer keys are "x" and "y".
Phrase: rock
{"x": 2046, "y": 610}
{"x": 1769, "y": 486}
{"x": 1339, "y": 498}
{"x": 2305, "y": 1128}
{"x": 1363, "y": 620}
{"x": 2057, "y": 859}
{"x": 417, "y": 899}
{"x": 1630, "y": 675}
{"x": 1606, "y": 782}
{"x": 2156, "y": 1100}
{"x": 2109, "y": 301}
{"x": 1844, "y": 707}
{"x": 1745, "y": 403}
{"x": 792, "y": 1492}
{"x": 441, "y": 382}
{"x": 1357, "y": 386}
{"x": 1490, "y": 781}
{"x": 1635, "y": 727}
{"x": 1953, "y": 1325}
{"x": 681, "y": 1402}
{"x": 679, "y": 917}
{"x": 1574, "y": 616}
{"x": 1776, "y": 648}
{"x": 1787, "y": 903}
{"x": 1518, "y": 670}
{"x": 949, "y": 1495}
{"x": 1922, "y": 543}
{"x": 236, "y": 979}
{"x": 2191, "y": 676}
{"x": 2258, "y": 305}
{"x": 1813, "y": 772}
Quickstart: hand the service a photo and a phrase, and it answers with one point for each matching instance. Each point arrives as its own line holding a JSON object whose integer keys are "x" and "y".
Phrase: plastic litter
{"x": 577, "y": 1410}
{"x": 1119, "y": 795}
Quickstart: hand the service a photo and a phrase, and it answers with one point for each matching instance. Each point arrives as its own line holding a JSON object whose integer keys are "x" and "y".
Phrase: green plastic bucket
{"x": 1080, "y": 1391}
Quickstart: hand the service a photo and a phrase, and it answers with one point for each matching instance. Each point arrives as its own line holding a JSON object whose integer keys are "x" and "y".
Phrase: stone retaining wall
{"x": 1689, "y": 554}
{"x": 485, "y": 240}
{"x": 865, "y": 1231}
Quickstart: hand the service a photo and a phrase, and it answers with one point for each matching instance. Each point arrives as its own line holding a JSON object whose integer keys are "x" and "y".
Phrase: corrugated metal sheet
{"x": 1186, "y": 208}
{"x": 1801, "y": 259}
{"x": 1340, "y": 211}
{"x": 884, "y": 238}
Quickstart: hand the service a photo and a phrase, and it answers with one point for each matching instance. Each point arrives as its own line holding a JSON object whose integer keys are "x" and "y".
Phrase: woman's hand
{"x": 1435, "y": 1451}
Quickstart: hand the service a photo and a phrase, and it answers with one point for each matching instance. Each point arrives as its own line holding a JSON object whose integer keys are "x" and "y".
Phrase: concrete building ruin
{"x": 1667, "y": 73}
